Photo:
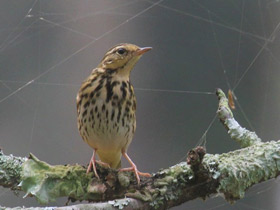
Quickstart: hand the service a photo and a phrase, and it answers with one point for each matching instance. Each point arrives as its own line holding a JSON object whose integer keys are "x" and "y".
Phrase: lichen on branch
{"x": 10, "y": 170}
{"x": 241, "y": 135}
{"x": 200, "y": 176}
{"x": 241, "y": 169}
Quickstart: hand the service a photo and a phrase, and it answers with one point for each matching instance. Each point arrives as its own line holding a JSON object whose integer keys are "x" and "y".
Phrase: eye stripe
{"x": 116, "y": 50}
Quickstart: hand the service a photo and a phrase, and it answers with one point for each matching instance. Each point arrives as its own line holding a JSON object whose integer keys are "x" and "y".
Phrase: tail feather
{"x": 115, "y": 164}
{"x": 113, "y": 159}
{"x": 119, "y": 165}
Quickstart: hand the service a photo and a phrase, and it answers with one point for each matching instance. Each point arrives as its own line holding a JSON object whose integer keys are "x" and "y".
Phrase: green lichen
{"x": 223, "y": 110}
{"x": 243, "y": 168}
{"x": 10, "y": 170}
{"x": 164, "y": 181}
{"x": 161, "y": 189}
{"x": 241, "y": 135}
{"x": 47, "y": 182}
{"x": 123, "y": 179}
{"x": 143, "y": 195}
{"x": 168, "y": 187}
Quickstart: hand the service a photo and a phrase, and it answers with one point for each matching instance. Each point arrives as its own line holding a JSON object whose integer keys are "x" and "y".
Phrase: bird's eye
{"x": 121, "y": 51}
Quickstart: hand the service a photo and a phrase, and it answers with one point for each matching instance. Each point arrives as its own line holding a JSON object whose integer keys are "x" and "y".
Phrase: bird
{"x": 106, "y": 108}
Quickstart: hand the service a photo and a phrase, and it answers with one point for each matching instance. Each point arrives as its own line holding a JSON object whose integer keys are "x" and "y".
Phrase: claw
{"x": 134, "y": 168}
{"x": 92, "y": 164}
{"x": 106, "y": 165}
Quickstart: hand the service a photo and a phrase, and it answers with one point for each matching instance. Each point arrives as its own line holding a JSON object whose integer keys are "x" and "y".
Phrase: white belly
{"x": 107, "y": 130}
{"x": 106, "y": 117}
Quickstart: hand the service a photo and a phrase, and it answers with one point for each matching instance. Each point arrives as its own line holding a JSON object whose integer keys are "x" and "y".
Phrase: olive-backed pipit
{"x": 106, "y": 107}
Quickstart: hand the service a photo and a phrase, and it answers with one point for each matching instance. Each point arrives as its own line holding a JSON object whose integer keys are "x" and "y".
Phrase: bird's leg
{"x": 92, "y": 164}
{"x": 134, "y": 168}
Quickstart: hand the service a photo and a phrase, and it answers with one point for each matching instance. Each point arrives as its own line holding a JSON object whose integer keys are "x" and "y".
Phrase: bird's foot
{"x": 92, "y": 165}
{"x": 106, "y": 165}
{"x": 134, "y": 168}
{"x": 136, "y": 172}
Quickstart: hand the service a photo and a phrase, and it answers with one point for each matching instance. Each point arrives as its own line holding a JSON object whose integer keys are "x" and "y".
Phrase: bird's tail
{"x": 113, "y": 159}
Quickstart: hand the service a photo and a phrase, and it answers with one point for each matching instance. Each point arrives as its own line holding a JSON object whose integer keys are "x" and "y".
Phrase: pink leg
{"x": 134, "y": 168}
{"x": 92, "y": 164}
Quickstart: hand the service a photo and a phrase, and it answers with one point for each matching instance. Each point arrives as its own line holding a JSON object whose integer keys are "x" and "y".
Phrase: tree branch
{"x": 241, "y": 135}
{"x": 230, "y": 174}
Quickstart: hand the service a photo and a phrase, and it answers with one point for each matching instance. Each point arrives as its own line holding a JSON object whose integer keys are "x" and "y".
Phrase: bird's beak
{"x": 142, "y": 50}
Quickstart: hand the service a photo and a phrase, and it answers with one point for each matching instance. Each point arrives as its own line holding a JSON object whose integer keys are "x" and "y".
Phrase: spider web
{"x": 47, "y": 48}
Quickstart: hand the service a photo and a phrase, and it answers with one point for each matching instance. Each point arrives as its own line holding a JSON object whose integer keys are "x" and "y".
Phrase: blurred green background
{"x": 197, "y": 47}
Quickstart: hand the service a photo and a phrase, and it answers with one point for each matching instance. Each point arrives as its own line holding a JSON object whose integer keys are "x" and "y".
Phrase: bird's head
{"x": 122, "y": 58}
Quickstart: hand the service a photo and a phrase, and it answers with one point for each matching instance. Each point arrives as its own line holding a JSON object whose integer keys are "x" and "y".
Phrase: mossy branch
{"x": 230, "y": 174}
{"x": 241, "y": 135}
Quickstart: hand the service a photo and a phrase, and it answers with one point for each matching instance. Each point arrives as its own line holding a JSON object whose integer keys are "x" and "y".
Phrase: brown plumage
{"x": 106, "y": 107}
